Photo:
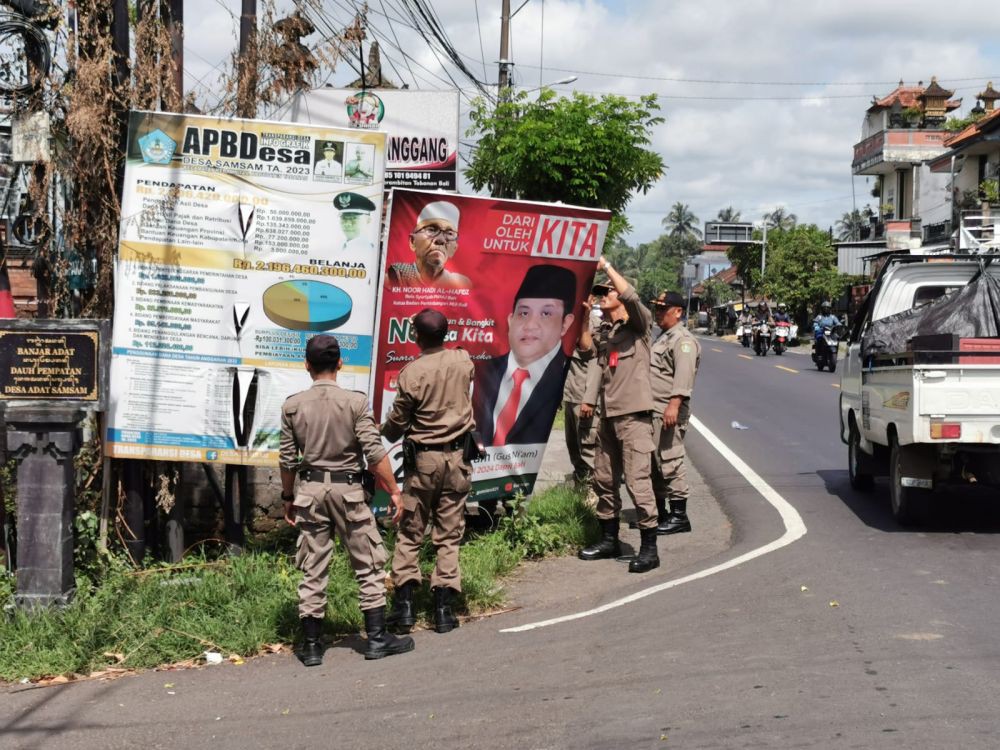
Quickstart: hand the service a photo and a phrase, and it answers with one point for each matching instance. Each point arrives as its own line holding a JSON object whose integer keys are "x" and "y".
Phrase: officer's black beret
{"x": 668, "y": 299}
{"x": 352, "y": 202}
{"x": 549, "y": 282}
{"x": 323, "y": 351}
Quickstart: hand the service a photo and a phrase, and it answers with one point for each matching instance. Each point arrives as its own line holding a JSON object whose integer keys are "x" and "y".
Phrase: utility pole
{"x": 505, "y": 63}
{"x": 246, "y": 103}
{"x": 763, "y": 251}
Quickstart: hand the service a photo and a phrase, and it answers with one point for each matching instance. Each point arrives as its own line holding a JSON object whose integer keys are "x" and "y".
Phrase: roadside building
{"x": 971, "y": 165}
{"x": 900, "y": 133}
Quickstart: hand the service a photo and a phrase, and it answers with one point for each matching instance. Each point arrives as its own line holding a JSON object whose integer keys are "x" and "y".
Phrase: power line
{"x": 393, "y": 30}
{"x": 482, "y": 51}
{"x": 742, "y": 83}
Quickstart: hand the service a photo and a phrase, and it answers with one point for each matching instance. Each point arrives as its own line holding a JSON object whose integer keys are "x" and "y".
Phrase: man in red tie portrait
{"x": 516, "y": 395}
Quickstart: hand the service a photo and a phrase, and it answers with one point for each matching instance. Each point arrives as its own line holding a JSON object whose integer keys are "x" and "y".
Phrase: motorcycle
{"x": 761, "y": 339}
{"x": 825, "y": 347}
{"x": 744, "y": 334}
{"x": 781, "y": 336}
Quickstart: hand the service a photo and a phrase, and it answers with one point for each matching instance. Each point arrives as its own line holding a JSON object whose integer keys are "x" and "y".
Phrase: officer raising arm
{"x": 433, "y": 410}
{"x": 625, "y": 435}
{"x": 327, "y": 435}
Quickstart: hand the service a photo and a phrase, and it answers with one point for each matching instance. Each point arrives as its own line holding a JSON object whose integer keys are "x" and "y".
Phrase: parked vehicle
{"x": 761, "y": 339}
{"x": 826, "y": 348}
{"x": 782, "y": 333}
{"x": 920, "y": 390}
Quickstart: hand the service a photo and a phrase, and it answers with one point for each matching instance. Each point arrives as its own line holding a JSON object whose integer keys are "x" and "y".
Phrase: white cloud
{"x": 723, "y": 147}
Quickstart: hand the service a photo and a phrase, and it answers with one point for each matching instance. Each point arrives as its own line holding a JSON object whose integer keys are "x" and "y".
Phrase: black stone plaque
{"x": 44, "y": 362}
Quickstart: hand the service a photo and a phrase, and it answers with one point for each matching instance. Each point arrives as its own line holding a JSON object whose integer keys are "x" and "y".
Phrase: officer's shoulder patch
{"x": 686, "y": 347}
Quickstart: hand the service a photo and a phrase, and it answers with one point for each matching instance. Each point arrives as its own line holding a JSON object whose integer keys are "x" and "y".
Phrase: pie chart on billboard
{"x": 307, "y": 305}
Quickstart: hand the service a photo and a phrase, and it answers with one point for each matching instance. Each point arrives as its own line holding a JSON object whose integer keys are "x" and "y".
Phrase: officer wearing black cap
{"x": 674, "y": 359}
{"x": 329, "y": 166}
{"x": 328, "y": 434}
{"x": 432, "y": 409}
{"x": 355, "y": 216}
{"x": 516, "y": 395}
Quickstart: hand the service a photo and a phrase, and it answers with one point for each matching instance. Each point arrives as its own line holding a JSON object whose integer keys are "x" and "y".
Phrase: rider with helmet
{"x": 825, "y": 319}
{"x": 782, "y": 315}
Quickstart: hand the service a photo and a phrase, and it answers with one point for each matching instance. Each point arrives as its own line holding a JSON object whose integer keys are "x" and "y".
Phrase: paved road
{"x": 858, "y": 635}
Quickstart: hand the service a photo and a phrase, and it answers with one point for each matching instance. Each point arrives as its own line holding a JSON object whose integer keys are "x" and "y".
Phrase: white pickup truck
{"x": 924, "y": 410}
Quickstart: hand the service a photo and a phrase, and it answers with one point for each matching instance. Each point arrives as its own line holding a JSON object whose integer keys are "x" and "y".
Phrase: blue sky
{"x": 782, "y": 137}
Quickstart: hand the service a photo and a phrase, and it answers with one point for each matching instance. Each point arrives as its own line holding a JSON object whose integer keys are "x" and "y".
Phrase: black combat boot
{"x": 382, "y": 643}
{"x": 647, "y": 559}
{"x": 401, "y": 617}
{"x": 677, "y": 522}
{"x": 312, "y": 647}
{"x": 444, "y": 616}
{"x": 609, "y": 546}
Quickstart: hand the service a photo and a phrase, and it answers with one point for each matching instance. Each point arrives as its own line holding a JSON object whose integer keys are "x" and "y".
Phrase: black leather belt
{"x": 454, "y": 445}
{"x": 320, "y": 475}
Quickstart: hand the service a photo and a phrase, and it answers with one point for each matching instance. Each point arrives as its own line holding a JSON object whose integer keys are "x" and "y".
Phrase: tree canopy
{"x": 681, "y": 221}
{"x": 580, "y": 150}
{"x": 801, "y": 269}
{"x": 779, "y": 218}
{"x": 728, "y": 214}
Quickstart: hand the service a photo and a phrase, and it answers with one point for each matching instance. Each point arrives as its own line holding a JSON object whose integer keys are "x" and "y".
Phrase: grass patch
{"x": 159, "y": 615}
{"x": 560, "y": 421}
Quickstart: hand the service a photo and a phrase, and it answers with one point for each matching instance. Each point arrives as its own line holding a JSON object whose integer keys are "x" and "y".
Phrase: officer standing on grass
{"x": 433, "y": 410}
{"x": 327, "y": 435}
{"x": 625, "y": 436}
{"x": 675, "y": 358}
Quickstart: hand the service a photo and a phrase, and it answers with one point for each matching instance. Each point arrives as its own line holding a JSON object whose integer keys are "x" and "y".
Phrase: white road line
{"x": 795, "y": 528}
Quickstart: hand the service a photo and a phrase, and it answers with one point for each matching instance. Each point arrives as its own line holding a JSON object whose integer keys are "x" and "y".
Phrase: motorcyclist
{"x": 761, "y": 315}
{"x": 781, "y": 316}
{"x": 825, "y": 319}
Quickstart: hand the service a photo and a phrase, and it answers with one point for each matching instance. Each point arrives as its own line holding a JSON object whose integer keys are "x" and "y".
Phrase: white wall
{"x": 931, "y": 201}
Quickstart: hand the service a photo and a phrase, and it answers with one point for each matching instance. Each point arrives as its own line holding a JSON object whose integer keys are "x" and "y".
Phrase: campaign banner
{"x": 511, "y": 277}
{"x": 422, "y": 127}
{"x": 237, "y": 245}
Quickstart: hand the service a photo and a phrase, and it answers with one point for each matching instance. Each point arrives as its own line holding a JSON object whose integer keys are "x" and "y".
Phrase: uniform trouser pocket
{"x": 367, "y": 556}
{"x": 312, "y": 557}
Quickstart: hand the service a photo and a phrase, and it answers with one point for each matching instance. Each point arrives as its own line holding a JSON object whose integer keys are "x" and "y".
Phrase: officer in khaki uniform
{"x": 327, "y": 436}
{"x": 580, "y": 409}
{"x": 625, "y": 436}
{"x": 675, "y": 358}
{"x": 434, "y": 410}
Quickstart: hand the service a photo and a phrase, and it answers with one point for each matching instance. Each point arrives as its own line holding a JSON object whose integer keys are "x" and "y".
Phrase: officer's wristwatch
{"x": 287, "y": 497}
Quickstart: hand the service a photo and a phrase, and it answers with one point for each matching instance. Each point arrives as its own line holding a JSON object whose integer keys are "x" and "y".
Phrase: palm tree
{"x": 681, "y": 221}
{"x": 779, "y": 218}
{"x": 728, "y": 214}
{"x": 849, "y": 225}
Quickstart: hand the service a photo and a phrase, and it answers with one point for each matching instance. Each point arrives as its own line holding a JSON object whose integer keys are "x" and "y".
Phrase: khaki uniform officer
{"x": 580, "y": 397}
{"x": 625, "y": 436}
{"x": 675, "y": 359}
{"x": 433, "y": 409}
{"x": 327, "y": 435}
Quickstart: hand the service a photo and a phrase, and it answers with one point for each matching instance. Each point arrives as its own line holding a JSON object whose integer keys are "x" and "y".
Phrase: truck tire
{"x": 860, "y": 479}
{"x": 909, "y": 504}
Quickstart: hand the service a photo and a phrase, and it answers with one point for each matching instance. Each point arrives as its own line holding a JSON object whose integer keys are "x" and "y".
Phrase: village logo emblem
{"x": 157, "y": 147}
{"x": 365, "y": 110}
